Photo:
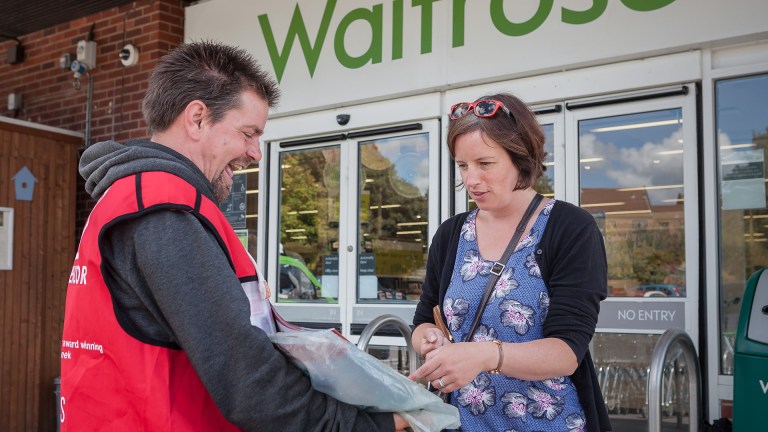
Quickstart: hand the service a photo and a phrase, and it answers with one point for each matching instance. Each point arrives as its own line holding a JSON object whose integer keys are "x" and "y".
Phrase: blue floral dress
{"x": 515, "y": 313}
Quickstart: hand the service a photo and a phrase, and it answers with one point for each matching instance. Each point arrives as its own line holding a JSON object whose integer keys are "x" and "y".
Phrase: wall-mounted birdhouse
{"x": 25, "y": 184}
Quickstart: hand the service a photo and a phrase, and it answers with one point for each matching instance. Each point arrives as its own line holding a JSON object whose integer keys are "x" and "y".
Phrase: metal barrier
{"x": 399, "y": 324}
{"x": 655, "y": 378}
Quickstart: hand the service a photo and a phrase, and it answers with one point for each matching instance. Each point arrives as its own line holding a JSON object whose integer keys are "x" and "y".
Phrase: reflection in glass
{"x": 631, "y": 179}
{"x": 251, "y": 181}
{"x": 622, "y": 365}
{"x": 546, "y": 183}
{"x": 309, "y": 226}
{"x": 393, "y": 356}
{"x": 742, "y": 138}
{"x": 394, "y": 214}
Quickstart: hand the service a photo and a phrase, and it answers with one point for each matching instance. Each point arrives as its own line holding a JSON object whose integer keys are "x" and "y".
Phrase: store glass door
{"x": 353, "y": 214}
{"x": 632, "y": 165}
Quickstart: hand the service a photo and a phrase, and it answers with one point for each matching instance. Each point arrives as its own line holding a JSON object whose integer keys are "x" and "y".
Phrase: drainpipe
{"x": 88, "y": 111}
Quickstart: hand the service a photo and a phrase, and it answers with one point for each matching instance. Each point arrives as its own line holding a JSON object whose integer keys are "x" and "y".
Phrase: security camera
{"x": 78, "y": 67}
{"x": 129, "y": 55}
{"x": 342, "y": 119}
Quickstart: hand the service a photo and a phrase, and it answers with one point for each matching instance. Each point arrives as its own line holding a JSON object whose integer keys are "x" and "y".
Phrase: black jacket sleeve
{"x": 174, "y": 286}
{"x": 573, "y": 262}
{"x": 440, "y": 260}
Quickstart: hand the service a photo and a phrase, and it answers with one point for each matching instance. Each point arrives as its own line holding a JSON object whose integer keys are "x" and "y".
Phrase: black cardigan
{"x": 571, "y": 257}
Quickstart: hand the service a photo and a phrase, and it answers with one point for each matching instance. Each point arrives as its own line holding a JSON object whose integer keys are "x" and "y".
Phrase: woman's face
{"x": 486, "y": 170}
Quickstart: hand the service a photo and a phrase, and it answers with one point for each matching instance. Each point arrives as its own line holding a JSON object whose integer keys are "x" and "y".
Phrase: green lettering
{"x": 646, "y": 5}
{"x": 458, "y": 22}
{"x": 426, "y": 24}
{"x": 397, "y": 29}
{"x": 373, "y": 54}
{"x": 297, "y": 30}
{"x": 510, "y": 28}
{"x": 585, "y": 16}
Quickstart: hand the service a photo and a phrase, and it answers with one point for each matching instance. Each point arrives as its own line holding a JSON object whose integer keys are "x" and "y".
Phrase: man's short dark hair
{"x": 211, "y": 72}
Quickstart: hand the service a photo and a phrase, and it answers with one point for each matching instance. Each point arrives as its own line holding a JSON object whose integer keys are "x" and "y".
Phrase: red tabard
{"x": 111, "y": 381}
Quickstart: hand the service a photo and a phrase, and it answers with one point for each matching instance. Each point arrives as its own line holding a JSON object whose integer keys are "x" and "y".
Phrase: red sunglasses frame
{"x": 471, "y": 107}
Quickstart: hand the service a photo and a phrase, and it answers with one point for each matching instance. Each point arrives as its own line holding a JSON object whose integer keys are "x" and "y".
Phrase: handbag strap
{"x": 499, "y": 265}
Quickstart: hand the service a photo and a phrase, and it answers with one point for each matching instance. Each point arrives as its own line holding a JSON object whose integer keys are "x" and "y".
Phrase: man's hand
{"x": 400, "y": 424}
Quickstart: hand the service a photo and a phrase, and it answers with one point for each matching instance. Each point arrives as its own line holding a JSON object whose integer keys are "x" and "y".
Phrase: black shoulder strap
{"x": 499, "y": 265}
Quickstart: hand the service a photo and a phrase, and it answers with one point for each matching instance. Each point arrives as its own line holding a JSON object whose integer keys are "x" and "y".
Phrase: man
{"x": 157, "y": 333}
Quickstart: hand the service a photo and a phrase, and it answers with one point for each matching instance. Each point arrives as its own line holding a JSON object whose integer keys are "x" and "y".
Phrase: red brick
{"x": 49, "y": 96}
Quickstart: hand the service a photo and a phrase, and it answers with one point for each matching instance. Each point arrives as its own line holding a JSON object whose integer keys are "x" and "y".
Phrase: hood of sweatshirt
{"x": 104, "y": 163}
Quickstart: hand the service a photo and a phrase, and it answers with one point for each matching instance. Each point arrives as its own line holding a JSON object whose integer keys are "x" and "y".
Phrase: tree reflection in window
{"x": 394, "y": 212}
{"x": 309, "y": 222}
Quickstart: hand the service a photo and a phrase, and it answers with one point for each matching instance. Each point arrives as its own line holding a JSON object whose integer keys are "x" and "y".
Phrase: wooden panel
{"x": 32, "y": 293}
{"x": 6, "y": 294}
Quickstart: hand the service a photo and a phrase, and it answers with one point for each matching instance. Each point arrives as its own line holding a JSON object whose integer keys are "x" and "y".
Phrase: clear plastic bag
{"x": 339, "y": 369}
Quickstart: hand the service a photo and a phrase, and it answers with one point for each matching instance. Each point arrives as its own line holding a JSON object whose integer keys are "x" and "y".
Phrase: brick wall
{"x": 48, "y": 94}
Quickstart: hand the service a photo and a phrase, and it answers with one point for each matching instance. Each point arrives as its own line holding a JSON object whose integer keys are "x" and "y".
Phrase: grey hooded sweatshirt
{"x": 172, "y": 286}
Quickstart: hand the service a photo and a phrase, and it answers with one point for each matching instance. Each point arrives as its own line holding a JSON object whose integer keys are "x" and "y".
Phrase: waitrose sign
{"x": 335, "y": 52}
{"x": 373, "y": 20}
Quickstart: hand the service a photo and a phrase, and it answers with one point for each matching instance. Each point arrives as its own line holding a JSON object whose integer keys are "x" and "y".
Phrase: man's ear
{"x": 193, "y": 116}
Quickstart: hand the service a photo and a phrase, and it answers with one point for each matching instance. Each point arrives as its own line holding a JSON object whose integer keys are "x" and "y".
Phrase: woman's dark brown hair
{"x": 519, "y": 133}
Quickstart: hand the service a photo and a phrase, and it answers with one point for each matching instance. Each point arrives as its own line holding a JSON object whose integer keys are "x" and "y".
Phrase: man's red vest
{"x": 110, "y": 380}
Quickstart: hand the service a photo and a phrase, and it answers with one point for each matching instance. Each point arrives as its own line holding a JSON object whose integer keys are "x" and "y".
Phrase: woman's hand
{"x": 452, "y": 366}
{"x": 431, "y": 340}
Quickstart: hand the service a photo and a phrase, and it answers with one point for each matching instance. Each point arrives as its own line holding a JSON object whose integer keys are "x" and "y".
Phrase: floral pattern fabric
{"x": 515, "y": 313}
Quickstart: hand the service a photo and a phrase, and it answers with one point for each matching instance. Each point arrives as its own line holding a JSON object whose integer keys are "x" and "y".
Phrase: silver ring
{"x": 440, "y": 381}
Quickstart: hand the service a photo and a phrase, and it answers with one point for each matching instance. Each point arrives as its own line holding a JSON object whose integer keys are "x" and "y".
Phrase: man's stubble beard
{"x": 220, "y": 190}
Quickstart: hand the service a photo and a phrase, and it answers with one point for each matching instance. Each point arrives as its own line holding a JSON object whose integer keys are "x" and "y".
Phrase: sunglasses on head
{"x": 482, "y": 108}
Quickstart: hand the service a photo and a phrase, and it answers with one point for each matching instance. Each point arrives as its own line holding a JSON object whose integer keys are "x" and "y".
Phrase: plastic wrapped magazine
{"x": 339, "y": 369}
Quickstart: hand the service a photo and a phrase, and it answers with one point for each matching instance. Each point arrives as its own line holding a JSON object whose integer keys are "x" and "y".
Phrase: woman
{"x": 527, "y": 366}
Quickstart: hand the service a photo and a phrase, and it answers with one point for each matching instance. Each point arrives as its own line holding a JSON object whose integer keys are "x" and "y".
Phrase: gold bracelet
{"x": 501, "y": 357}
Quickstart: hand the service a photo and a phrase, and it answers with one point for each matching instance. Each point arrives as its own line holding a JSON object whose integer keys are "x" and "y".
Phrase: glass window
{"x": 393, "y": 356}
{"x": 241, "y": 206}
{"x": 252, "y": 207}
{"x": 546, "y": 183}
{"x": 631, "y": 179}
{"x": 622, "y": 364}
{"x": 309, "y": 226}
{"x": 394, "y": 210}
{"x": 742, "y": 135}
